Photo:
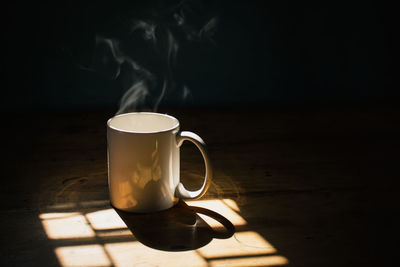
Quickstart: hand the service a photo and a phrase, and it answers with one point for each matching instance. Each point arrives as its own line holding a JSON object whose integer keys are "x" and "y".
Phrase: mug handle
{"x": 181, "y": 191}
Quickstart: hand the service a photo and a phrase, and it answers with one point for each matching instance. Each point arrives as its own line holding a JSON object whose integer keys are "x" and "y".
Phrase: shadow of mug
{"x": 179, "y": 228}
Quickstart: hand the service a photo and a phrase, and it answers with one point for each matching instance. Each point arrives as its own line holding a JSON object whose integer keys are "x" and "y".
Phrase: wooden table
{"x": 303, "y": 185}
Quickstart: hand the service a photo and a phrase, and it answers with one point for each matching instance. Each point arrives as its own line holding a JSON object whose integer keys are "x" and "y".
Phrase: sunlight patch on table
{"x": 231, "y": 204}
{"x": 108, "y": 241}
{"x": 105, "y": 220}
{"x": 66, "y": 225}
{"x": 241, "y": 244}
{"x": 131, "y": 253}
{"x": 220, "y": 207}
{"x": 88, "y": 255}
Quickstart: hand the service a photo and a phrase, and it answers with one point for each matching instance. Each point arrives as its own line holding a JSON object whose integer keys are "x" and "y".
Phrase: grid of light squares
{"x": 100, "y": 238}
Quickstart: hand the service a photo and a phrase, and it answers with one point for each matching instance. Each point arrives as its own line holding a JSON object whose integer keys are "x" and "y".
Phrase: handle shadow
{"x": 179, "y": 228}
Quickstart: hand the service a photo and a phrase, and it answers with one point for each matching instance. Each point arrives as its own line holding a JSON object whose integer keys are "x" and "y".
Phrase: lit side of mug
{"x": 143, "y": 162}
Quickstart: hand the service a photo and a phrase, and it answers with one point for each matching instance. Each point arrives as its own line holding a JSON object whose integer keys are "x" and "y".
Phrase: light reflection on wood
{"x": 88, "y": 255}
{"x": 231, "y": 204}
{"x": 66, "y": 225}
{"x": 220, "y": 207}
{"x": 105, "y": 244}
{"x": 134, "y": 253}
{"x": 241, "y": 244}
{"x": 105, "y": 220}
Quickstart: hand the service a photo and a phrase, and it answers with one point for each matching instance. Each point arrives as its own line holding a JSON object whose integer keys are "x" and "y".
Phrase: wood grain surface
{"x": 303, "y": 185}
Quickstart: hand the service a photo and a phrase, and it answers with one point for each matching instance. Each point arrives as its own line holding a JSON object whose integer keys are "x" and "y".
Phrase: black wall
{"x": 264, "y": 52}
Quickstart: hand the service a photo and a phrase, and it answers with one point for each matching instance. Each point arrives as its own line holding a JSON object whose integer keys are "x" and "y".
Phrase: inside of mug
{"x": 143, "y": 122}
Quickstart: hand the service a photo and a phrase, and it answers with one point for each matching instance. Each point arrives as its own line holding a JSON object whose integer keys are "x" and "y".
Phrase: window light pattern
{"x": 93, "y": 234}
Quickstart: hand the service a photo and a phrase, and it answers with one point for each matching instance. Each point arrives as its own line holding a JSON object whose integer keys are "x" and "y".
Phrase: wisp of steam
{"x": 144, "y": 60}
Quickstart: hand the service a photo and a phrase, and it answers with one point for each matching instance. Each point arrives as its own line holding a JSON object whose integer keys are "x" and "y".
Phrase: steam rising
{"x": 145, "y": 59}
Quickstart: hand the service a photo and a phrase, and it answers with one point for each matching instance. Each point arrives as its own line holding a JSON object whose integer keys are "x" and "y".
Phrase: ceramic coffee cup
{"x": 143, "y": 162}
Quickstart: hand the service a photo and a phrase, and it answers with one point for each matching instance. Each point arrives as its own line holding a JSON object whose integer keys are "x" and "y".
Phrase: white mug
{"x": 143, "y": 162}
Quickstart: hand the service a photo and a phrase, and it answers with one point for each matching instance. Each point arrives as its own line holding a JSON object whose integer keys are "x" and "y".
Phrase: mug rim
{"x": 138, "y": 132}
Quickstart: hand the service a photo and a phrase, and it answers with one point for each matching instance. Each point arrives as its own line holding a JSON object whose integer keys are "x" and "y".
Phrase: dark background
{"x": 265, "y": 52}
